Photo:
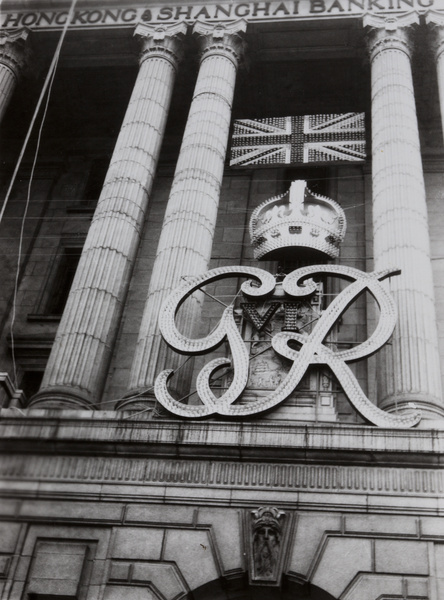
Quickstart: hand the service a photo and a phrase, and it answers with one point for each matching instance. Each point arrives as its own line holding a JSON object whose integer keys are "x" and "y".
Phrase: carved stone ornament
{"x": 266, "y": 545}
{"x": 222, "y": 38}
{"x": 300, "y": 348}
{"x": 161, "y": 41}
{"x": 389, "y": 33}
{"x": 14, "y": 50}
{"x": 435, "y": 19}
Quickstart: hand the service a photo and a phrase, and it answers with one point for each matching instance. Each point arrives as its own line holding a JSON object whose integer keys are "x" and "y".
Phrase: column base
{"x": 138, "y": 401}
{"x": 10, "y": 396}
{"x": 60, "y": 398}
{"x": 430, "y": 408}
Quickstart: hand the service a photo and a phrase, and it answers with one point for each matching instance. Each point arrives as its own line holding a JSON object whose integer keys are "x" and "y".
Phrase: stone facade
{"x": 105, "y": 494}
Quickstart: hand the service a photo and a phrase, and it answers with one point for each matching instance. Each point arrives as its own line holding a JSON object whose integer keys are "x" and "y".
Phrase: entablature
{"x": 125, "y": 433}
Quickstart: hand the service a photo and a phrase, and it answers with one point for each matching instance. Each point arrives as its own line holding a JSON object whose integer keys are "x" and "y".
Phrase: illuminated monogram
{"x": 302, "y": 349}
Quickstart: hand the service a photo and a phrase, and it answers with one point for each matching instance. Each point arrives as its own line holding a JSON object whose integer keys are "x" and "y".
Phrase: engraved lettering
{"x": 281, "y": 8}
{"x": 242, "y": 10}
{"x": 29, "y": 19}
{"x": 202, "y": 13}
{"x": 95, "y": 16}
{"x": 357, "y": 3}
{"x": 111, "y": 15}
{"x": 49, "y": 18}
{"x": 61, "y": 18}
{"x": 265, "y": 9}
{"x": 317, "y": 6}
{"x": 80, "y": 17}
{"x": 372, "y": 3}
{"x": 128, "y": 15}
{"x": 226, "y": 10}
{"x": 183, "y": 12}
{"x": 336, "y": 5}
{"x": 165, "y": 13}
{"x": 12, "y": 19}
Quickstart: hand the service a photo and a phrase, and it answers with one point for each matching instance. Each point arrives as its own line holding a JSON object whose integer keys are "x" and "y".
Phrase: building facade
{"x": 222, "y": 333}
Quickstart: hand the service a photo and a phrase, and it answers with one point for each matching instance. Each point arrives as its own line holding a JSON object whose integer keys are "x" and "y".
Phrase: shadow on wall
{"x": 239, "y": 589}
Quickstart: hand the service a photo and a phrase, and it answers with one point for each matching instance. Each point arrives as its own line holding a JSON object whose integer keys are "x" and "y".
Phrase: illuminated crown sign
{"x": 313, "y": 224}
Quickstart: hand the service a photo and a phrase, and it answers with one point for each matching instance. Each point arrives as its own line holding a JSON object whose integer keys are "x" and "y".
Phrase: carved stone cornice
{"x": 371, "y": 480}
{"x": 224, "y": 39}
{"x": 104, "y": 432}
{"x": 389, "y": 33}
{"x": 162, "y": 41}
{"x": 436, "y": 21}
{"x": 14, "y": 50}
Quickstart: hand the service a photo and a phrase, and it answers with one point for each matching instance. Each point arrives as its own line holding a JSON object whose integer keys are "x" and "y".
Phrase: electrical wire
{"x": 47, "y": 83}
{"x": 47, "y": 87}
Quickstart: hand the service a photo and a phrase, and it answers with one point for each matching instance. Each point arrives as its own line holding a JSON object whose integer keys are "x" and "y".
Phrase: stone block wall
{"x": 152, "y": 548}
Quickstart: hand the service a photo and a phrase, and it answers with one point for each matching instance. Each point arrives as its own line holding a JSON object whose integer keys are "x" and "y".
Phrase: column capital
{"x": 389, "y": 33}
{"x": 162, "y": 41}
{"x": 436, "y": 20}
{"x": 223, "y": 38}
{"x": 435, "y": 17}
{"x": 14, "y": 50}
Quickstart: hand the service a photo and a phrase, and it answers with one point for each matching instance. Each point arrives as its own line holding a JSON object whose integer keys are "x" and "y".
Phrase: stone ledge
{"x": 124, "y": 475}
{"x": 114, "y": 433}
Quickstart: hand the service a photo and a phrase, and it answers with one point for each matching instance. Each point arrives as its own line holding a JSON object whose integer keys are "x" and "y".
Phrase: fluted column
{"x": 79, "y": 360}
{"x": 187, "y": 232}
{"x": 409, "y": 367}
{"x": 14, "y": 53}
{"x": 436, "y": 20}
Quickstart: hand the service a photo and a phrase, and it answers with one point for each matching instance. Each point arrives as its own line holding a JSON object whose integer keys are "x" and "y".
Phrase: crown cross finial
{"x": 297, "y": 193}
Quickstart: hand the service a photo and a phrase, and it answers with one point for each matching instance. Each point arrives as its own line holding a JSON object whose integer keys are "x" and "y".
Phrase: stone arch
{"x": 117, "y": 592}
{"x": 239, "y": 589}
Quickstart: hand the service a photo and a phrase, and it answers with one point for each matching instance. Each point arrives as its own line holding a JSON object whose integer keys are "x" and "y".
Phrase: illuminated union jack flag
{"x": 292, "y": 140}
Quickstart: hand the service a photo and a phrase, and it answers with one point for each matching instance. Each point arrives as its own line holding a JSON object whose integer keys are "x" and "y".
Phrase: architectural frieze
{"x": 127, "y": 16}
{"x": 251, "y": 475}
